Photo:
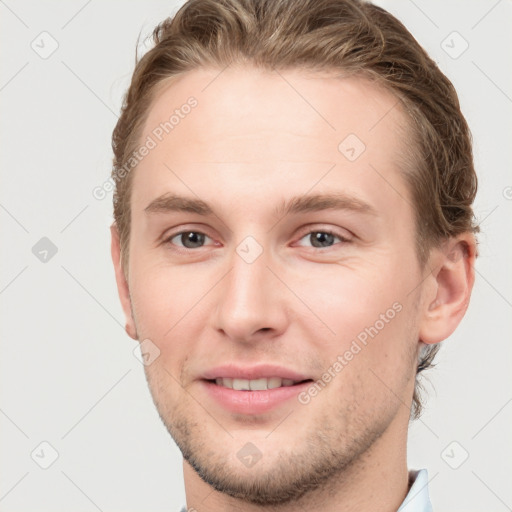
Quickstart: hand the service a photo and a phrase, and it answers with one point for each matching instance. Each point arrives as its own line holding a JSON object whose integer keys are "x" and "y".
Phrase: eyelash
{"x": 327, "y": 231}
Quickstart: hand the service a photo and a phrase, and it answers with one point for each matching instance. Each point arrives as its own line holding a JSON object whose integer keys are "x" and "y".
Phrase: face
{"x": 272, "y": 246}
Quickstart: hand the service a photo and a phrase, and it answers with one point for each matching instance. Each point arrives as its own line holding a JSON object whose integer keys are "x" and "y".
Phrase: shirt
{"x": 417, "y": 499}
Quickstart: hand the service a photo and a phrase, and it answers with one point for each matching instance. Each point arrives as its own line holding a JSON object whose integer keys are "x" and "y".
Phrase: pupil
{"x": 320, "y": 239}
{"x": 192, "y": 239}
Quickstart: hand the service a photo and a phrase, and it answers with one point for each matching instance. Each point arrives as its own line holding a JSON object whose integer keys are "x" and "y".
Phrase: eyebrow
{"x": 173, "y": 202}
{"x": 298, "y": 204}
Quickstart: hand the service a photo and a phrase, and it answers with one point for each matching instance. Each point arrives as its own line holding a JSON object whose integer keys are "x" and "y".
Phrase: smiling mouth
{"x": 262, "y": 384}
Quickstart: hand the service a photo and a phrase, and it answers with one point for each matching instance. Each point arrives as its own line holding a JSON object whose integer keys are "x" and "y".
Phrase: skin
{"x": 252, "y": 142}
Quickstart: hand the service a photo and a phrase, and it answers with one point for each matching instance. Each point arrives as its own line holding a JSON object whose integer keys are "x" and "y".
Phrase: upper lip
{"x": 259, "y": 371}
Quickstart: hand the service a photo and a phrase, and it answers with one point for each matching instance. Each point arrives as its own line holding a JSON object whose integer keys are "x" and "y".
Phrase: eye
{"x": 322, "y": 238}
{"x": 188, "y": 239}
{"x": 318, "y": 239}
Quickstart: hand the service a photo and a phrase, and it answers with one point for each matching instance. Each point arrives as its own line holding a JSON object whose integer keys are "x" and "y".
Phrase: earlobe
{"x": 122, "y": 284}
{"x": 453, "y": 274}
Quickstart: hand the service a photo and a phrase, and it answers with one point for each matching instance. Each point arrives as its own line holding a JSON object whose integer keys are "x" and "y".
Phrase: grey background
{"x": 68, "y": 373}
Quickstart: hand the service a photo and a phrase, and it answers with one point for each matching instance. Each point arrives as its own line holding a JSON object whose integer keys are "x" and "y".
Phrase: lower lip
{"x": 252, "y": 402}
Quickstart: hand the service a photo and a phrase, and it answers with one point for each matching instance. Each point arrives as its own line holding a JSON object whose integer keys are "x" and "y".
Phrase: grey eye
{"x": 189, "y": 239}
{"x": 321, "y": 239}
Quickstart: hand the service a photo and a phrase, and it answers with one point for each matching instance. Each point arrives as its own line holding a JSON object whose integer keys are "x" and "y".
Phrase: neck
{"x": 377, "y": 480}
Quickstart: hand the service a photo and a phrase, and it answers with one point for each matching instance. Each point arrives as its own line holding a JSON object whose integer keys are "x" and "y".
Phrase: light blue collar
{"x": 417, "y": 499}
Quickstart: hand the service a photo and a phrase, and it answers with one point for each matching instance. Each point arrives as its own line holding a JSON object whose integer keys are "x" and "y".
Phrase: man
{"x": 293, "y": 238}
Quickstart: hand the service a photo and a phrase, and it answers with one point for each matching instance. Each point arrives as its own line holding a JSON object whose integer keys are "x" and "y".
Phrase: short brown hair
{"x": 352, "y": 36}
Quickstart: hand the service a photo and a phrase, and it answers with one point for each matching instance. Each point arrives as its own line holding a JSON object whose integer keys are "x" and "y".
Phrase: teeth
{"x": 258, "y": 384}
{"x": 274, "y": 382}
{"x": 241, "y": 384}
{"x": 254, "y": 384}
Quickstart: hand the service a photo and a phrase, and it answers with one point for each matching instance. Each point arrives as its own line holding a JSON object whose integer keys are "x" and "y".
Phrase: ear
{"x": 451, "y": 283}
{"x": 122, "y": 284}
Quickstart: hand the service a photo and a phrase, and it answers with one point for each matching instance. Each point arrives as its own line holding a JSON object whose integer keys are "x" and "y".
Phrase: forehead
{"x": 282, "y": 128}
{"x": 307, "y": 103}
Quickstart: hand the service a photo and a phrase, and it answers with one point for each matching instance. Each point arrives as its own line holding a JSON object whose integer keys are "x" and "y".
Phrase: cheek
{"x": 348, "y": 301}
{"x": 164, "y": 299}
{"x": 385, "y": 363}
{"x": 373, "y": 319}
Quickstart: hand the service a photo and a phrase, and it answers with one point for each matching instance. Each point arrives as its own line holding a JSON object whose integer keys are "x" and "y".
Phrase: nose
{"x": 250, "y": 301}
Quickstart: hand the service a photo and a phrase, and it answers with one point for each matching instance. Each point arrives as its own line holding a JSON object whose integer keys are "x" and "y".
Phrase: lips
{"x": 253, "y": 390}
